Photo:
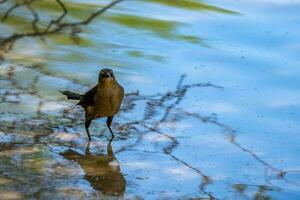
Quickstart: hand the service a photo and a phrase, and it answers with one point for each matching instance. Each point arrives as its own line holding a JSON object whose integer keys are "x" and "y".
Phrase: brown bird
{"x": 103, "y": 100}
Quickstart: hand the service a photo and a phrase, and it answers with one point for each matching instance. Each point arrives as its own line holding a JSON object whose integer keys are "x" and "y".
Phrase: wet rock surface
{"x": 161, "y": 150}
{"x": 211, "y": 110}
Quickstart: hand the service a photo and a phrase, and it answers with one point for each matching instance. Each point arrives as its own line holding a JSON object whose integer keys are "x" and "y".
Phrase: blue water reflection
{"x": 252, "y": 52}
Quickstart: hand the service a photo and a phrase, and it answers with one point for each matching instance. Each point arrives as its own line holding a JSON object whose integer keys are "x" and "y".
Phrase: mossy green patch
{"x": 190, "y": 39}
{"x": 159, "y": 27}
{"x": 68, "y": 40}
{"x": 21, "y": 23}
{"x": 163, "y": 28}
{"x": 193, "y": 5}
{"x": 139, "y": 54}
{"x": 136, "y": 54}
{"x": 75, "y": 9}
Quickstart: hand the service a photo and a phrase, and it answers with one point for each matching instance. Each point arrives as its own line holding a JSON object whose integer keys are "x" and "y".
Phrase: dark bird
{"x": 103, "y": 100}
{"x": 102, "y": 171}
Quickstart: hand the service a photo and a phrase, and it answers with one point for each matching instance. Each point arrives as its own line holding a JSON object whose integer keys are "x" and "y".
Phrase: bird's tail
{"x": 71, "y": 95}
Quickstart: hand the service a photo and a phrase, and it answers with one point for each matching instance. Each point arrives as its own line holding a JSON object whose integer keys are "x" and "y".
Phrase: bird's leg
{"x": 87, "y": 125}
{"x": 109, "y": 148}
{"x": 87, "y": 149}
{"x": 108, "y": 123}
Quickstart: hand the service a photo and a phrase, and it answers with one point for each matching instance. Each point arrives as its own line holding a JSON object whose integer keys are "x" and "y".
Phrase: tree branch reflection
{"x": 55, "y": 26}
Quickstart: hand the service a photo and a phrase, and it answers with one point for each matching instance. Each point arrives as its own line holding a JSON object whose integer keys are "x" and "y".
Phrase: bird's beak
{"x": 108, "y": 76}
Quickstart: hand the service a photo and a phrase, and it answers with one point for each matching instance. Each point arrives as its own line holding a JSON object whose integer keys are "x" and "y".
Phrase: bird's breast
{"x": 107, "y": 101}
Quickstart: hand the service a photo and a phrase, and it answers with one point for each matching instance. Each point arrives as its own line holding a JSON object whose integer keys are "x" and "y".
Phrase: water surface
{"x": 211, "y": 111}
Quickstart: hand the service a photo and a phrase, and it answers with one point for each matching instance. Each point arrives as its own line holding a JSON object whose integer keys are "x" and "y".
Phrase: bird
{"x": 103, "y": 100}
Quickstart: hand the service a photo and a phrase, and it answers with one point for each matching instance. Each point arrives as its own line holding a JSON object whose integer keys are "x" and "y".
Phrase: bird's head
{"x": 106, "y": 76}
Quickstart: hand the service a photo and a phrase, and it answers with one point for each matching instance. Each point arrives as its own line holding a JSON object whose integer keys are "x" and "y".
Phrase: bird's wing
{"x": 88, "y": 98}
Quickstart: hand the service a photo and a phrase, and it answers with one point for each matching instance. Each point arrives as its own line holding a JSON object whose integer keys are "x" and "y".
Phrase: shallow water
{"x": 211, "y": 109}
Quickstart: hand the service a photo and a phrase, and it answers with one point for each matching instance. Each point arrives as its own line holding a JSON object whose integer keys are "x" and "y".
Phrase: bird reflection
{"x": 102, "y": 171}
